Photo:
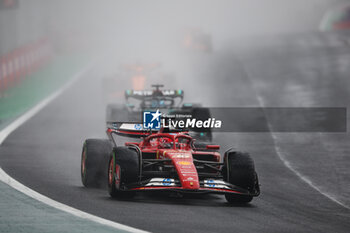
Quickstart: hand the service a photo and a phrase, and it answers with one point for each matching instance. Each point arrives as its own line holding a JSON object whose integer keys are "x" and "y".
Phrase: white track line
{"x": 304, "y": 178}
{"x": 290, "y": 167}
{"x": 4, "y": 177}
{"x": 280, "y": 153}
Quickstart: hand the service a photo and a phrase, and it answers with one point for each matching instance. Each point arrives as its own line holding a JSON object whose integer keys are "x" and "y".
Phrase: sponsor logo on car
{"x": 210, "y": 183}
{"x": 167, "y": 182}
{"x": 184, "y": 163}
{"x": 138, "y": 126}
{"x": 181, "y": 156}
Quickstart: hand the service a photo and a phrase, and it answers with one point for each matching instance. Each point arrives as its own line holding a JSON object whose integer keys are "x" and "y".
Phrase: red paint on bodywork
{"x": 176, "y": 147}
{"x": 183, "y": 163}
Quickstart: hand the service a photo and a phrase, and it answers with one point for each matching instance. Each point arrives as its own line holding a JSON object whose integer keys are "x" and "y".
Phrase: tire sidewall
{"x": 124, "y": 164}
{"x": 94, "y": 161}
{"x": 240, "y": 171}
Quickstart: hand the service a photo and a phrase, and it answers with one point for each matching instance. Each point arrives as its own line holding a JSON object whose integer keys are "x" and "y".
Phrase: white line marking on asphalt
{"x": 280, "y": 153}
{"x": 304, "y": 178}
{"x": 290, "y": 167}
{"x": 4, "y": 177}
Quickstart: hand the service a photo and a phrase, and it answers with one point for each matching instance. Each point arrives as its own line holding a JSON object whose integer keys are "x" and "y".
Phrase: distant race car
{"x": 166, "y": 160}
{"x": 165, "y": 100}
{"x": 337, "y": 18}
{"x": 135, "y": 75}
{"x": 197, "y": 40}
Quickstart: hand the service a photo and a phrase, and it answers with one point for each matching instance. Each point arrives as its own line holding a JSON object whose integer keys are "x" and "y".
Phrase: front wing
{"x": 206, "y": 186}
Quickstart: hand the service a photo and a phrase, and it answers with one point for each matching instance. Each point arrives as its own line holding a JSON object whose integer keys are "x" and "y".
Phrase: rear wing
{"x": 154, "y": 93}
{"x": 128, "y": 129}
{"x": 136, "y": 130}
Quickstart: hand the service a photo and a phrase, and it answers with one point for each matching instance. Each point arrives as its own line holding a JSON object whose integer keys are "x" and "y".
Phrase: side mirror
{"x": 213, "y": 147}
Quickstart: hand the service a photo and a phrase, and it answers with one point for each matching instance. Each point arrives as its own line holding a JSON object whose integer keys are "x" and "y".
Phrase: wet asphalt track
{"x": 44, "y": 154}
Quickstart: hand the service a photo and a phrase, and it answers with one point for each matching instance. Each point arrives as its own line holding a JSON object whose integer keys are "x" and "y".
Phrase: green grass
{"x": 35, "y": 87}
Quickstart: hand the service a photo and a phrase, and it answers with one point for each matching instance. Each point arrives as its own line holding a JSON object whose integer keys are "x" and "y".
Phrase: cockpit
{"x": 163, "y": 141}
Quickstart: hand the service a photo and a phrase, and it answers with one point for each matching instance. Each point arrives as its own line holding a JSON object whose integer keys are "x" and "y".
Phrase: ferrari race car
{"x": 166, "y": 160}
{"x": 167, "y": 101}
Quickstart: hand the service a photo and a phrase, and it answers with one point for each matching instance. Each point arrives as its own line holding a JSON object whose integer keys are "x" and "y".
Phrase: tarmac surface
{"x": 44, "y": 153}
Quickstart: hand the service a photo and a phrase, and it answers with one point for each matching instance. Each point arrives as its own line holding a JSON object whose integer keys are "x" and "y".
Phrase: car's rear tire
{"x": 94, "y": 161}
{"x": 240, "y": 171}
{"x": 123, "y": 169}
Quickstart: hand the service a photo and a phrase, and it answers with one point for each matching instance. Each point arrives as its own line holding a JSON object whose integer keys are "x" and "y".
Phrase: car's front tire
{"x": 123, "y": 169}
{"x": 240, "y": 171}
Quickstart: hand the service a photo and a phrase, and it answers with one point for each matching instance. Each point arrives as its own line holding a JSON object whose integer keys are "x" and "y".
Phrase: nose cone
{"x": 190, "y": 183}
{"x": 187, "y": 173}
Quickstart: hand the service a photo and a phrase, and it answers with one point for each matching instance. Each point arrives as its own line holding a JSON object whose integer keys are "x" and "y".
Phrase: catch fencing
{"x": 18, "y": 64}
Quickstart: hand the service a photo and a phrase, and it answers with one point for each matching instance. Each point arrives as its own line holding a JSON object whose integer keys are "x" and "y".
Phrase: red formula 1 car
{"x": 166, "y": 160}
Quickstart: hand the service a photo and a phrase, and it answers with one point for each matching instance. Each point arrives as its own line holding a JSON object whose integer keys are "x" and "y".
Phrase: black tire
{"x": 240, "y": 172}
{"x": 94, "y": 162}
{"x": 128, "y": 161}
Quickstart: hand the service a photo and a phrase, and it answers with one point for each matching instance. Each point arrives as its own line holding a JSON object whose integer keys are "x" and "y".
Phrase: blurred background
{"x": 139, "y": 26}
{"x": 222, "y": 53}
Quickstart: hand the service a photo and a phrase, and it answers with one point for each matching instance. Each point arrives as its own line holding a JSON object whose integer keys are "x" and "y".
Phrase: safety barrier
{"x": 19, "y": 63}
